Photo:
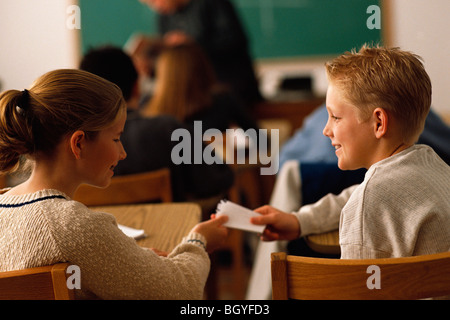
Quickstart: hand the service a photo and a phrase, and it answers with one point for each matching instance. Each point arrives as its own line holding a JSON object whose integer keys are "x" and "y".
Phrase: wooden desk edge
{"x": 194, "y": 209}
{"x": 327, "y": 243}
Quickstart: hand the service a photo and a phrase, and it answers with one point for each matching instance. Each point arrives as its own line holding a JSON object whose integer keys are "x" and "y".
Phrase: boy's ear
{"x": 381, "y": 120}
{"x": 77, "y": 141}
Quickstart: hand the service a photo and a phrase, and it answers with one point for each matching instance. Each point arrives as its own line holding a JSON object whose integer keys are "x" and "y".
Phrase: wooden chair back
{"x": 128, "y": 189}
{"x": 417, "y": 277}
{"x": 40, "y": 283}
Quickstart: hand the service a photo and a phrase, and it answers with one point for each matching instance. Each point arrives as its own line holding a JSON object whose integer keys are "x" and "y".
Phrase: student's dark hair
{"x": 58, "y": 103}
{"x": 114, "y": 65}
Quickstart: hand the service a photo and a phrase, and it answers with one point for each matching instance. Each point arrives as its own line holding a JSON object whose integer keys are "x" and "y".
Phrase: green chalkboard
{"x": 276, "y": 28}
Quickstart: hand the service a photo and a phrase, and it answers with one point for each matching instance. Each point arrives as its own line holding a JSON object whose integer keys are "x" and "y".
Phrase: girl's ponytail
{"x": 16, "y": 132}
{"x": 33, "y": 122}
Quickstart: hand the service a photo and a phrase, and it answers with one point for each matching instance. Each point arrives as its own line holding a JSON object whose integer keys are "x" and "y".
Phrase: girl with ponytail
{"x": 68, "y": 125}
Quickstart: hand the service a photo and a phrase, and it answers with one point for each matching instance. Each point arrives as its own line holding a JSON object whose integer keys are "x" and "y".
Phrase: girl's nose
{"x": 123, "y": 153}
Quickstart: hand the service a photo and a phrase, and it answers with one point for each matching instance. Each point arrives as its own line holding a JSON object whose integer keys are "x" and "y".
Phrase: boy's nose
{"x": 326, "y": 130}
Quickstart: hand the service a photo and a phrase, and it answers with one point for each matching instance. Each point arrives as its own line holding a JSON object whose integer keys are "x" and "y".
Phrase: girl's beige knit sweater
{"x": 47, "y": 227}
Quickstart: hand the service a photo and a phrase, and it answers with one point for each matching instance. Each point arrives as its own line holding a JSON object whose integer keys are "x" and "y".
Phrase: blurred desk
{"x": 325, "y": 242}
{"x": 292, "y": 111}
{"x": 165, "y": 224}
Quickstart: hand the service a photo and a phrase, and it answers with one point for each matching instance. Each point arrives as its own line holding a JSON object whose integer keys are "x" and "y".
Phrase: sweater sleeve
{"x": 324, "y": 215}
{"x": 113, "y": 266}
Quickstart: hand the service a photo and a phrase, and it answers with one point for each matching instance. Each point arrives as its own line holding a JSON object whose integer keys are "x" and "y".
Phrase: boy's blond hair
{"x": 392, "y": 79}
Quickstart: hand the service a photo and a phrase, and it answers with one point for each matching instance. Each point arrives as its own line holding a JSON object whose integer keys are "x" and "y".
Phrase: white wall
{"x": 420, "y": 26}
{"x": 34, "y": 39}
{"x": 423, "y": 27}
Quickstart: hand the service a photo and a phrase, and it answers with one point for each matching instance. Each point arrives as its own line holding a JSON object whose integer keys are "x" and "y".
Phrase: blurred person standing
{"x": 187, "y": 89}
{"x": 215, "y": 25}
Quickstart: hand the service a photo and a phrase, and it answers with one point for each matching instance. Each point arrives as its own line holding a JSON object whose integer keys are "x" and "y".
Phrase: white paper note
{"x": 238, "y": 216}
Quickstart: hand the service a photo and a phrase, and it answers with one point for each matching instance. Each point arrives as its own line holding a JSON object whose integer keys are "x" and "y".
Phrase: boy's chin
{"x": 346, "y": 166}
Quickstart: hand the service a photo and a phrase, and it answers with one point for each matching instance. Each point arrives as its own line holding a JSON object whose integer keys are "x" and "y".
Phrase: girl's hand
{"x": 214, "y": 232}
{"x": 159, "y": 252}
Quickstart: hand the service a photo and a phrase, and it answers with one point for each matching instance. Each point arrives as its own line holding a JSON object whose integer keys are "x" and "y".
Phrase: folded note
{"x": 238, "y": 216}
{"x": 133, "y": 233}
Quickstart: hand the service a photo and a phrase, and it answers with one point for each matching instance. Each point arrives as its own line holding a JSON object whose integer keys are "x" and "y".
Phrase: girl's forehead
{"x": 117, "y": 125}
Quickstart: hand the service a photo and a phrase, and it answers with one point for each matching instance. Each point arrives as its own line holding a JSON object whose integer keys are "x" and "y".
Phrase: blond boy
{"x": 377, "y": 102}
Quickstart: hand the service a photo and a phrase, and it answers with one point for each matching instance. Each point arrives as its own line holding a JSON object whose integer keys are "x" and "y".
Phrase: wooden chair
{"x": 40, "y": 283}
{"x": 128, "y": 189}
{"x": 417, "y": 277}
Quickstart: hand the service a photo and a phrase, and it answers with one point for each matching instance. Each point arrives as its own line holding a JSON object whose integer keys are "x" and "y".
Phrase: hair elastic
{"x": 22, "y": 103}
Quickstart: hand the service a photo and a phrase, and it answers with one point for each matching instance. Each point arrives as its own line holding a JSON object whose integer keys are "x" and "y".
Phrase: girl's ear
{"x": 381, "y": 120}
{"x": 77, "y": 141}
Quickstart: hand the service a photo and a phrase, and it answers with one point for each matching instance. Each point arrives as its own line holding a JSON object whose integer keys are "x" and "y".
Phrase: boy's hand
{"x": 280, "y": 225}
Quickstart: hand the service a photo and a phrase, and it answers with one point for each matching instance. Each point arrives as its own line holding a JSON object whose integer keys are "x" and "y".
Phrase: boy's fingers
{"x": 264, "y": 210}
{"x": 220, "y": 219}
{"x": 269, "y": 236}
{"x": 257, "y": 220}
{"x": 260, "y": 220}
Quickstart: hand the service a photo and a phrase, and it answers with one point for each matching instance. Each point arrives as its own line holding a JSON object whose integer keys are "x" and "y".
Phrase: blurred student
{"x": 402, "y": 207}
{"x": 216, "y": 27}
{"x": 187, "y": 89}
{"x": 69, "y": 125}
{"x": 148, "y": 139}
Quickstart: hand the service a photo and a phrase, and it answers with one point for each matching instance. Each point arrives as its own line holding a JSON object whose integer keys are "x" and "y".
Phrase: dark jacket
{"x": 148, "y": 144}
{"x": 215, "y": 25}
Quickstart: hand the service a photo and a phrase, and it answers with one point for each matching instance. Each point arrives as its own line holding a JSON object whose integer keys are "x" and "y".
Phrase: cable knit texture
{"x": 402, "y": 208}
{"x": 47, "y": 227}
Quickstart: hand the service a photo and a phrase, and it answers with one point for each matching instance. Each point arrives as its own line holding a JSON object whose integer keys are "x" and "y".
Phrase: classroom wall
{"x": 275, "y": 28}
{"x": 423, "y": 27}
{"x": 415, "y": 25}
{"x": 34, "y": 39}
